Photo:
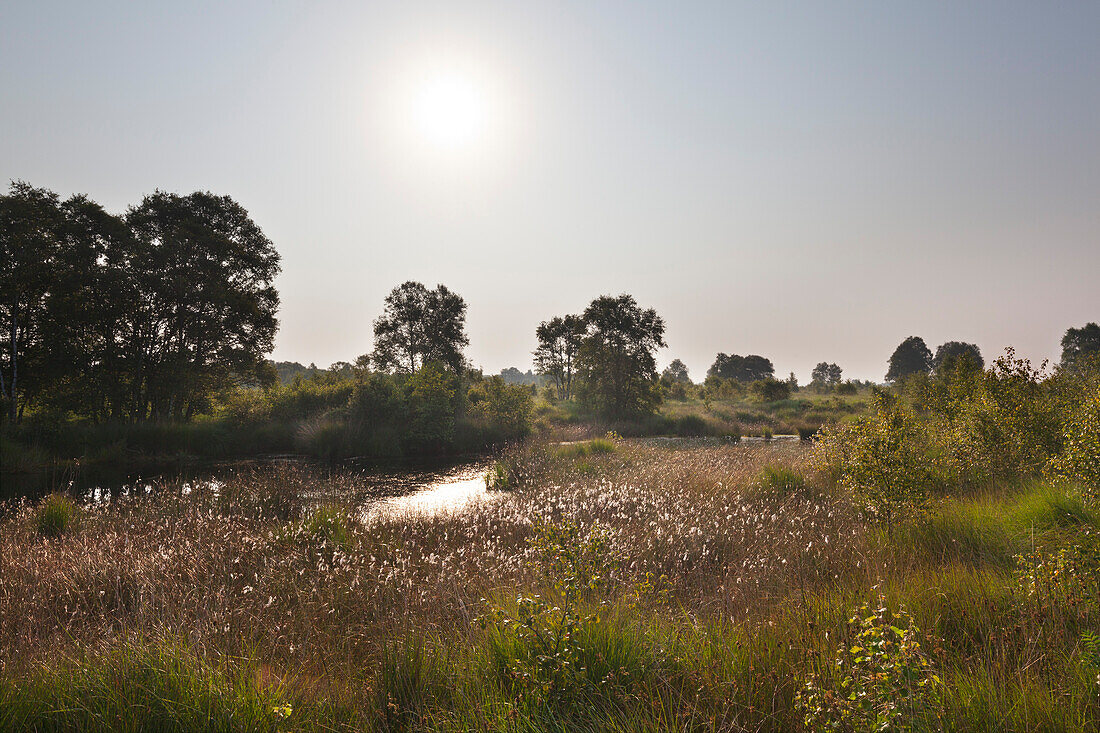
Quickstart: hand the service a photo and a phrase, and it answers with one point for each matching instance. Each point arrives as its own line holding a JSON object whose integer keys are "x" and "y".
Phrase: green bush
{"x": 879, "y": 680}
{"x": 539, "y": 644}
{"x": 691, "y": 426}
{"x": 1079, "y": 463}
{"x": 884, "y": 460}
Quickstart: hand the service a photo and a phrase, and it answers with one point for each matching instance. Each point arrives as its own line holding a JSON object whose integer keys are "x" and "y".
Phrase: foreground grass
{"x": 727, "y": 579}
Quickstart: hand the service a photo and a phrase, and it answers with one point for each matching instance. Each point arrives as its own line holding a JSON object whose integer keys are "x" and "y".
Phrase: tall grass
{"x": 728, "y": 575}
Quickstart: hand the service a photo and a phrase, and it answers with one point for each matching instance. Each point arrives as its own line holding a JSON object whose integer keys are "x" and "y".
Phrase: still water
{"x": 381, "y": 489}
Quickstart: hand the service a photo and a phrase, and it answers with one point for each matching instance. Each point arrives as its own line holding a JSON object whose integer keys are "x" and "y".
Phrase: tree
{"x": 616, "y": 361}
{"x": 912, "y": 356}
{"x": 419, "y": 326}
{"x": 826, "y": 375}
{"x": 84, "y": 367}
{"x": 30, "y": 224}
{"x": 676, "y": 373}
{"x": 1080, "y": 345}
{"x": 749, "y": 368}
{"x": 951, "y": 354}
{"x": 559, "y": 341}
{"x": 207, "y": 313}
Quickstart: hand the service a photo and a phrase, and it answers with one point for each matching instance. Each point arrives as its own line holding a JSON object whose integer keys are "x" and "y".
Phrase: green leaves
{"x": 880, "y": 681}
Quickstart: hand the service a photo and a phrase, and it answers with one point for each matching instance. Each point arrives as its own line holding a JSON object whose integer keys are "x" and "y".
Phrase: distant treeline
{"x": 166, "y": 313}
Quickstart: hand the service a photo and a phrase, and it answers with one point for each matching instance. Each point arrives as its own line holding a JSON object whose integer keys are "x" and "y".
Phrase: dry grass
{"x": 728, "y": 577}
{"x": 239, "y": 566}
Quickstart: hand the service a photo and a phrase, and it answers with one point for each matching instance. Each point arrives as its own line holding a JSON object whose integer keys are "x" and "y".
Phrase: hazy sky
{"x": 809, "y": 182}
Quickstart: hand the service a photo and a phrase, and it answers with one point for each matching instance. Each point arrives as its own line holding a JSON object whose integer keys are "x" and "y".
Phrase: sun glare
{"x": 449, "y": 111}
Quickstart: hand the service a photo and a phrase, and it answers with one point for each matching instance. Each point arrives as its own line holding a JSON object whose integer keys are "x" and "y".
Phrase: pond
{"x": 381, "y": 489}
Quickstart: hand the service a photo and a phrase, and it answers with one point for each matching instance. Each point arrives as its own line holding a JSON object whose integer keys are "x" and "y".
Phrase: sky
{"x": 806, "y": 181}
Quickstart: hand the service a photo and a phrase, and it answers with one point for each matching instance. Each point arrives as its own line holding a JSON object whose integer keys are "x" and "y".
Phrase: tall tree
{"x": 676, "y": 372}
{"x": 950, "y": 354}
{"x": 616, "y": 360}
{"x": 559, "y": 341}
{"x": 749, "y": 368}
{"x": 1080, "y": 344}
{"x": 208, "y": 311}
{"x": 419, "y": 326}
{"x": 912, "y": 356}
{"x": 826, "y": 375}
{"x": 30, "y": 231}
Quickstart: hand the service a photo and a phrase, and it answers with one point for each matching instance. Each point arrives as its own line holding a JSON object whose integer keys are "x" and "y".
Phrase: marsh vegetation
{"x": 930, "y": 565}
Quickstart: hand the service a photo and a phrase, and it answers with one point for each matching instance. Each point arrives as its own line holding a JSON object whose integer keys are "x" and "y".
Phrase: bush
{"x": 691, "y": 426}
{"x": 807, "y": 431}
{"x": 543, "y": 636}
{"x": 880, "y": 679}
{"x": 55, "y": 515}
{"x": 885, "y": 460}
{"x": 1079, "y": 462}
{"x": 772, "y": 390}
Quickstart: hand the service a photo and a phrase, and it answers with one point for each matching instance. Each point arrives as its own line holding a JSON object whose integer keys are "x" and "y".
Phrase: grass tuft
{"x": 55, "y": 515}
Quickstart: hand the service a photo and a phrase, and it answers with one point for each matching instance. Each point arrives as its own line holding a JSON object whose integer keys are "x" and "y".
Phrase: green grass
{"x": 594, "y": 447}
{"x": 55, "y": 515}
{"x": 162, "y": 686}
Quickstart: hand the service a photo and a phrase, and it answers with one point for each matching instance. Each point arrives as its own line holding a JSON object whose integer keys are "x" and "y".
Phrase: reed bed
{"x": 726, "y": 576}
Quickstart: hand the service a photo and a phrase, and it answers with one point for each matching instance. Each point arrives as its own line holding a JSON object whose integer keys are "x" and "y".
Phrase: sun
{"x": 449, "y": 111}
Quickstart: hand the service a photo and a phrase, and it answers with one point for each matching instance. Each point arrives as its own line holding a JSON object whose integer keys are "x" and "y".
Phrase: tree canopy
{"x": 749, "y": 368}
{"x": 616, "y": 359}
{"x": 676, "y": 372}
{"x": 826, "y": 375}
{"x": 1079, "y": 344}
{"x": 951, "y": 354}
{"x": 912, "y": 356}
{"x": 559, "y": 341}
{"x": 419, "y": 326}
{"x": 136, "y": 317}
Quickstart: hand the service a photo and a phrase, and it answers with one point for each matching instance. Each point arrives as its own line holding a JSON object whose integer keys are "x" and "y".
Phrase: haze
{"x": 803, "y": 182}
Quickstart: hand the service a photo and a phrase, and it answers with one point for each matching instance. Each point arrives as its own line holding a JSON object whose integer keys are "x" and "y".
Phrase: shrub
{"x": 431, "y": 395}
{"x": 545, "y": 634}
{"x": 807, "y": 431}
{"x": 55, "y": 515}
{"x": 772, "y": 390}
{"x": 499, "y": 477}
{"x": 880, "y": 680}
{"x": 1068, "y": 578}
{"x": 1079, "y": 462}
{"x": 691, "y": 426}
{"x": 885, "y": 460}
{"x": 504, "y": 409}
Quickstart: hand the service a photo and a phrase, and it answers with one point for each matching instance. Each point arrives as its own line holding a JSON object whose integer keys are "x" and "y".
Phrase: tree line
{"x": 151, "y": 314}
{"x": 132, "y": 317}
